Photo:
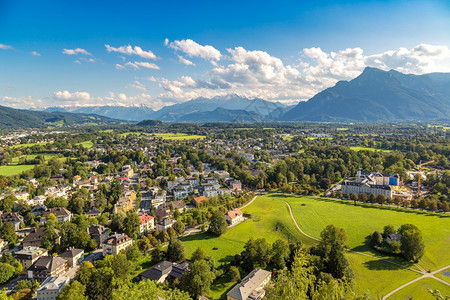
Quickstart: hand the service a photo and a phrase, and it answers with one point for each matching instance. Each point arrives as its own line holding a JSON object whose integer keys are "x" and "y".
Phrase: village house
{"x": 221, "y": 175}
{"x": 47, "y": 266}
{"x": 235, "y": 185}
{"x": 234, "y": 216}
{"x": 198, "y": 200}
{"x": 98, "y": 233}
{"x": 73, "y": 256}
{"x": 179, "y": 193}
{"x": 116, "y": 243}
{"x": 251, "y": 287}
{"x": 11, "y": 217}
{"x": 38, "y": 210}
{"x": 146, "y": 223}
{"x": 127, "y": 171}
{"x": 164, "y": 270}
{"x": 34, "y": 238}
{"x": 61, "y": 214}
{"x": 165, "y": 224}
{"x": 51, "y": 288}
{"x": 28, "y": 255}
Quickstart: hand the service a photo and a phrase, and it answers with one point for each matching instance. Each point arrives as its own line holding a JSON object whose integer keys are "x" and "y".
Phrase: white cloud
{"x": 145, "y": 99}
{"x": 259, "y": 74}
{"x": 185, "y": 61}
{"x": 193, "y": 49}
{"x": 137, "y": 86}
{"x": 151, "y": 78}
{"x": 68, "y": 96}
{"x": 137, "y": 65}
{"x": 77, "y": 61}
{"x": 129, "y": 50}
{"x": 20, "y": 102}
{"x": 5, "y": 47}
{"x": 35, "y": 53}
{"x": 75, "y": 51}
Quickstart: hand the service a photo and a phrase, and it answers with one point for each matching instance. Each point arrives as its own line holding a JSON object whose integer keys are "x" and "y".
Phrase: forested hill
{"x": 376, "y": 96}
{"x": 11, "y": 118}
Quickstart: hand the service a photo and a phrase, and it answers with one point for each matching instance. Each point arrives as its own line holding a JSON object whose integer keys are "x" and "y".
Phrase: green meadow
{"x": 356, "y": 148}
{"x": 179, "y": 136}
{"x": 270, "y": 218}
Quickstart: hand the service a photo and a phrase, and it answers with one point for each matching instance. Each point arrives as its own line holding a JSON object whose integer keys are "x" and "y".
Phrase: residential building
{"x": 193, "y": 181}
{"x": 180, "y": 193}
{"x": 39, "y": 210}
{"x": 221, "y": 175}
{"x": 146, "y": 223}
{"x": 93, "y": 212}
{"x": 198, "y": 200}
{"x": 11, "y": 217}
{"x": 34, "y": 238}
{"x": 47, "y": 266}
{"x": 51, "y": 288}
{"x": 165, "y": 224}
{"x": 235, "y": 185}
{"x": 251, "y": 287}
{"x": 158, "y": 198}
{"x": 61, "y": 214}
{"x": 127, "y": 171}
{"x": 234, "y": 216}
{"x": 98, "y": 233}
{"x": 73, "y": 256}
{"x": 28, "y": 255}
{"x": 164, "y": 270}
{"x": 116, "y": 243}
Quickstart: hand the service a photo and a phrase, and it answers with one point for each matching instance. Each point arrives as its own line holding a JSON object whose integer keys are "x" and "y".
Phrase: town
{"x": 113, "y": 207}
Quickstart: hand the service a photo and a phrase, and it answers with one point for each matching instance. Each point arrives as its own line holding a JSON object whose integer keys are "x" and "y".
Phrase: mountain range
{"x": 11, "y": 118}
{"x": 373, "y": 96}
{"x": 377, "y": 96}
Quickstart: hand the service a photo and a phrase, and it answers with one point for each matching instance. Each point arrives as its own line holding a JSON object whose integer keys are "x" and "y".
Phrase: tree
{"x": 157, "y": 253}
{"x": 376, "y": 239}
{"x": 198, "y": 254}
{"x": 387, "y": 230}
{"x": 175, "y": 251}
{"x": 363, "y": 197}
{"x": 218, "y": 224}
{"x": 131, "y": 225}
{"x": 84, "y": 273}
{"x": 412, "y": 245}
{"x": 73, "y": 291}
{"x": 6, "y": 272}
{"x": 144, "y": 244}
{"x": 381, "y": 198}
{"x": 147, "y": 289}
{"x": 280, "y": 253}
{"x": 179, "y": 227}
{"x": 197, "y": 281}
{"x": 354, "y": 197}
{"x": 372, "y": 198}
{"x": 235, "y": 274}
{"x": 8, "y": 233}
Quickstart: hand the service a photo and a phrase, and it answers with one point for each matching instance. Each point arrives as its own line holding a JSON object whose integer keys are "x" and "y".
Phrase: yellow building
{"x": 116, "y": 244}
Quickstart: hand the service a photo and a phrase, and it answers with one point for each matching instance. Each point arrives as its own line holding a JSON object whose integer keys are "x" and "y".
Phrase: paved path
{"x": 426, "y": 275}
{"x": 251, "y": 201}
{"x": 423, "y": 272}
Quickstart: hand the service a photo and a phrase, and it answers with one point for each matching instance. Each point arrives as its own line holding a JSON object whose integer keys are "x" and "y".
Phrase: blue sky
{"x": 276, "y": 50}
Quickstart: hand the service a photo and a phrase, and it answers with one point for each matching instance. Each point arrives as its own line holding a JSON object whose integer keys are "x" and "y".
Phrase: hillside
{"x": 11, "y": 118}
{"x": 186, "y": 111}
{"x": 127, "y": 113}
{"x": 376, "y": 96}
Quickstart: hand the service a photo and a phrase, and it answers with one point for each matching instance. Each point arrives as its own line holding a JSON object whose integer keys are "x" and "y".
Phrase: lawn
{"x": 444, "y": 275}
{"x": 363, "y": 219}
{"x": 86, "y": 144}
{"x": 17, "y": 169}
{"x": 384, "y": 277}
{"x": 179, "y": 136}
{"x": 28, "y": 145}
{"x": 419, "y": 290}
{"x": 15, "y": 160}
{"x": 269, "y": 219}
{"x": 356, "y": 148}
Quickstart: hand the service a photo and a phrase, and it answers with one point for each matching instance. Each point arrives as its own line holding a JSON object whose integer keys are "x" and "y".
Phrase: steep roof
{"x": 252, "y": 281}
{"x": 234, "y": 213}
{"x": 48, "y": 263}
{"x": 200, "y": 199}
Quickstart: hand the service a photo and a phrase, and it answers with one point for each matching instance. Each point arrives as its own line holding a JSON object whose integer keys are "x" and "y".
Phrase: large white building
{"x": 371, "y": 183}
{"x": 51, "y": 287}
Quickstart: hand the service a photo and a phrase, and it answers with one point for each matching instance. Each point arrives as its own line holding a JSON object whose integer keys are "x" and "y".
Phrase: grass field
{"x": 376, "y": 277}
{"x": 15, "y": 160}
{"x": 28, "y": 145}
{"x": 179, "y": 136}
{"x": 444, "y": 275}
{"x": 86, "y": 144}
{"x": 369, "y": 149}
{"x": 362, "y": 220}
{"x": 269, "y": 220}
{"x": 16, "y": 169}
{"x": 419, "y": 290}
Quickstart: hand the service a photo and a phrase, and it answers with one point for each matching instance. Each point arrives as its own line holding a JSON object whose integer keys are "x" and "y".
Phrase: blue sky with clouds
{"x": 160, "y": 52}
